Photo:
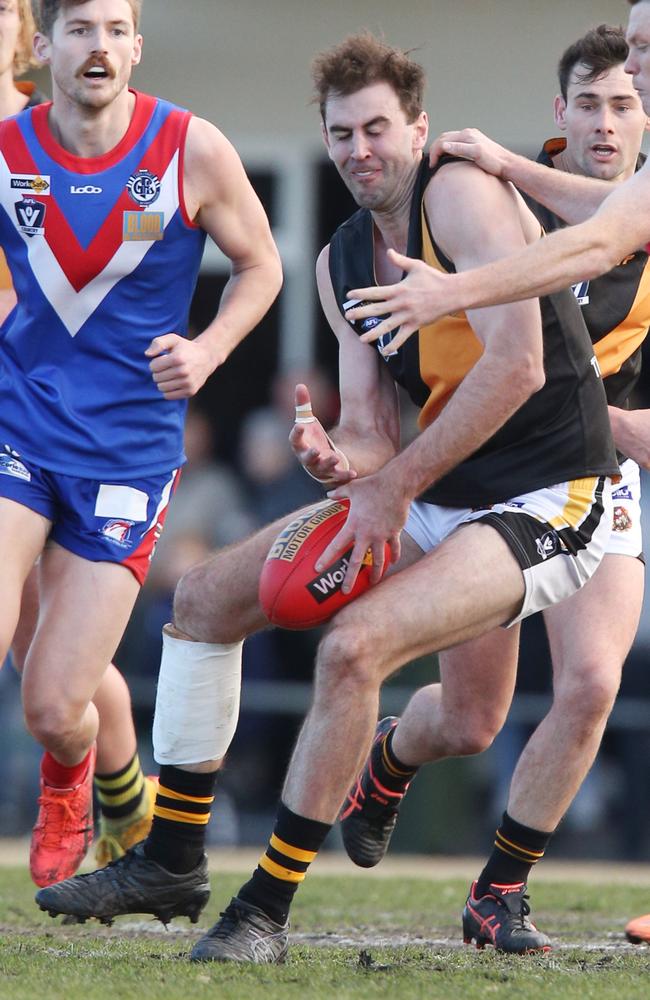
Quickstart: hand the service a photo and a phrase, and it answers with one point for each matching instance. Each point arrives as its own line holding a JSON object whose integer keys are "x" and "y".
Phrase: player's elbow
{"x": 525, "y": 375}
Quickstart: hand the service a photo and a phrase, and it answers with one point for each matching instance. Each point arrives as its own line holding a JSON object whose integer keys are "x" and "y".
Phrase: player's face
{"x": 638, "y": 61}
{"x": 9, "y": 32}
{"x": 373, "y": 146}
{"x": 92, "y": 51}
{"x": 604, "y": 122}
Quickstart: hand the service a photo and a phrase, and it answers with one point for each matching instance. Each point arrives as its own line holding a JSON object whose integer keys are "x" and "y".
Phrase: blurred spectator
{"x": 209, "y": 502}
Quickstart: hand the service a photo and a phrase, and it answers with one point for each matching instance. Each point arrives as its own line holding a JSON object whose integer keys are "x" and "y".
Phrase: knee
{"x": 52, "y": 724}
{"x": 471, "y": 730}
{"x": 587, "y": 696}
{"x": 346, "y": 663}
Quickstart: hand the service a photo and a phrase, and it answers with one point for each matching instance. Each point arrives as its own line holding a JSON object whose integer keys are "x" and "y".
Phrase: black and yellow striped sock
{"x": 180, "y": 819}
{"x": 516, "y": 849}
{"x": 294, "y": 844}
{"x": 388, "y": 769}
{"x": 121, "y": 794}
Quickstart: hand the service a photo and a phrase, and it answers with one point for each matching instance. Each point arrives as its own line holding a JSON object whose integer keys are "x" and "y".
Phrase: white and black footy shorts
{"x": 558, "y": 535}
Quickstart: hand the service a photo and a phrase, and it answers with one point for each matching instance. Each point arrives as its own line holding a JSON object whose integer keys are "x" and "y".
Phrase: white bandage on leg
{"x": 197, "y": 701}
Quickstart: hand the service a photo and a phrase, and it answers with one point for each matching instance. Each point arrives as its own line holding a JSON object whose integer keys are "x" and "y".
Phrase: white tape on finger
{"x": 304, "y": 414}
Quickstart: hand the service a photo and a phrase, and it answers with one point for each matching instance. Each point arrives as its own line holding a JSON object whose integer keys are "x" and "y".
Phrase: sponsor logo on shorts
{"x": 10, "y": 465}
{"x": 144, "y": 187}
{"x": 31, "y": 216}
{"x": 547, "y": 545}
{"x": 118, "y": 531}
{"x": 622, "y": 493}
{"x": 581, "y": 292}
{"x": 621, "y": 520}
{"x": 38, "y": 183}
{"x": 143, "y": 226}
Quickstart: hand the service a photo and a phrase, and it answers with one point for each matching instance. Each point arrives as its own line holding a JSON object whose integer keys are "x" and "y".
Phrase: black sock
{"x": 293, "y": 846}
{"x": 181, "y": 816}
{"x": 387, "y": 768}
{"x": 516, "y": 849}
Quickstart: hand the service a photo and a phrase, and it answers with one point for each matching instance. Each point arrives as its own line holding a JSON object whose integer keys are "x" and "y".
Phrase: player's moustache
{"x": 96, "y": 61}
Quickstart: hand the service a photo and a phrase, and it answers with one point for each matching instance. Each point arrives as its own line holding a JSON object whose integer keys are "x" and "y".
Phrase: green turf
{"x": 354, "y": 938}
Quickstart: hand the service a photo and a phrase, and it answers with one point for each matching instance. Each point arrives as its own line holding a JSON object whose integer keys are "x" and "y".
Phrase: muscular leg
{"x": 84, "y": 610}
{"x": 462, "y": 714}
{"x": 22, "y": 536}
{"x": 458, "y": 599}
{"x": 116, "y": 739}
{"x": 589, "y": 635}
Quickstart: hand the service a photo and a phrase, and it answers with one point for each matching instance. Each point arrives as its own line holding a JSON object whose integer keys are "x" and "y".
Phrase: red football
{"x": 292, "y": 594}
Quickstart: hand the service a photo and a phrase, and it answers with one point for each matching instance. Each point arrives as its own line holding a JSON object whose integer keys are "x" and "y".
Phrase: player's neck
{"x": 11, "y": 100}
{"x": 90, "y": 132}
{"x": 392, "y": 220}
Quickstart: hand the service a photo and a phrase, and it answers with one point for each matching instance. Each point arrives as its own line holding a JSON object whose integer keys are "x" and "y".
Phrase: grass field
{"x": 353, "y": 937}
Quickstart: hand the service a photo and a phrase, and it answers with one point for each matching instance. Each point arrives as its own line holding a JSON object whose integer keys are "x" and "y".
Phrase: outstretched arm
{"x": 219, "y": 197}
{"x": 571, "y": 196}
{"x": 619, "y": 228}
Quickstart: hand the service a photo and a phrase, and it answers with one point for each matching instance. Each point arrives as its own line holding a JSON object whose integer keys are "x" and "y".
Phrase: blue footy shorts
{"x": 117, "y": 522}
{"x": 558, "y": 535}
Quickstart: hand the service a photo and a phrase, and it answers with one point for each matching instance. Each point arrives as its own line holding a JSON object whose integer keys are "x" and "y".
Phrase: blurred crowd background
{"x": 241, "y": 472}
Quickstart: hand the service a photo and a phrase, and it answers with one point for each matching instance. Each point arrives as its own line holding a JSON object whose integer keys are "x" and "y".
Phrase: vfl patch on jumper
{"x": 622, "y": 493}
{"x": 38, "y": 183}
{"x": 621, "y": 520}
{"x": 144, "y": 187}
{"x": 143, "y": 226}
{"x": 581, "y": 292}
{"x": 118, "y": 531}
{"x": 31, "y": 216}
{"x": 10, "y": 465}
{"x": 547, "y": 545}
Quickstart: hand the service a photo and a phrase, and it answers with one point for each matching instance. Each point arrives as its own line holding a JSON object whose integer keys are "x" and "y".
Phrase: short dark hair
{"x": 47, "y": 11}
{"x": 361, "y": 60}
{"x": 599, "y": 50}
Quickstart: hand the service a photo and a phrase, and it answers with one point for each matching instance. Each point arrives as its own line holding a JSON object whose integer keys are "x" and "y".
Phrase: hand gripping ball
{"x": 292, "y": 594}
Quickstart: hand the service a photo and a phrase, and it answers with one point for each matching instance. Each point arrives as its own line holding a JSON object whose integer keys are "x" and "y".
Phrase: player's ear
{"x": 559, "y": 112}
{"x": 421, "y": 131}
{"x": 42, "y": 48}
{"x": 326, "y": 138}
{"x": 137, "y": 50}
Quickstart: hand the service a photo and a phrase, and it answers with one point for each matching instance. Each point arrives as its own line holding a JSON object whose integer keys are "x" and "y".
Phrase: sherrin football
{"x": 292, "y": 594}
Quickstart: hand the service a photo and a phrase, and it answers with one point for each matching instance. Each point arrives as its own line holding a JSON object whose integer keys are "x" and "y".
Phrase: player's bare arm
{"x": 571, "y": 196}
{"x": 367, "y": 434}
{"x": 619, "y": 227}
{"x": 631, "y": 433}
{"x": 475, "y": 218}
{"x": 220, "y": 199}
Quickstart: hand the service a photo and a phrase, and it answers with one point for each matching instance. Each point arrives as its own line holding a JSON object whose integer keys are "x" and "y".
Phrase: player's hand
{"x": 179, "y": 366}
{"x": 411, "y": 303}
{"x": 470, "y": 144}
{"x": 378, "y": 512}
{"x": 313, "y": 447}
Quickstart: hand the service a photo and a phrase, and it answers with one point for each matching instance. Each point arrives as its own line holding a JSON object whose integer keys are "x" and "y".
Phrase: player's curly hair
{"x": 47, "y": 11}
{"x": 599, "y": 50}
{"x": 361, "y": 60}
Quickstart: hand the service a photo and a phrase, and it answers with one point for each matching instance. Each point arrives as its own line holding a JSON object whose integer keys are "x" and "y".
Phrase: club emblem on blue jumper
{"x": 144, "y": 187}
{"x": 31, "y": 216}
